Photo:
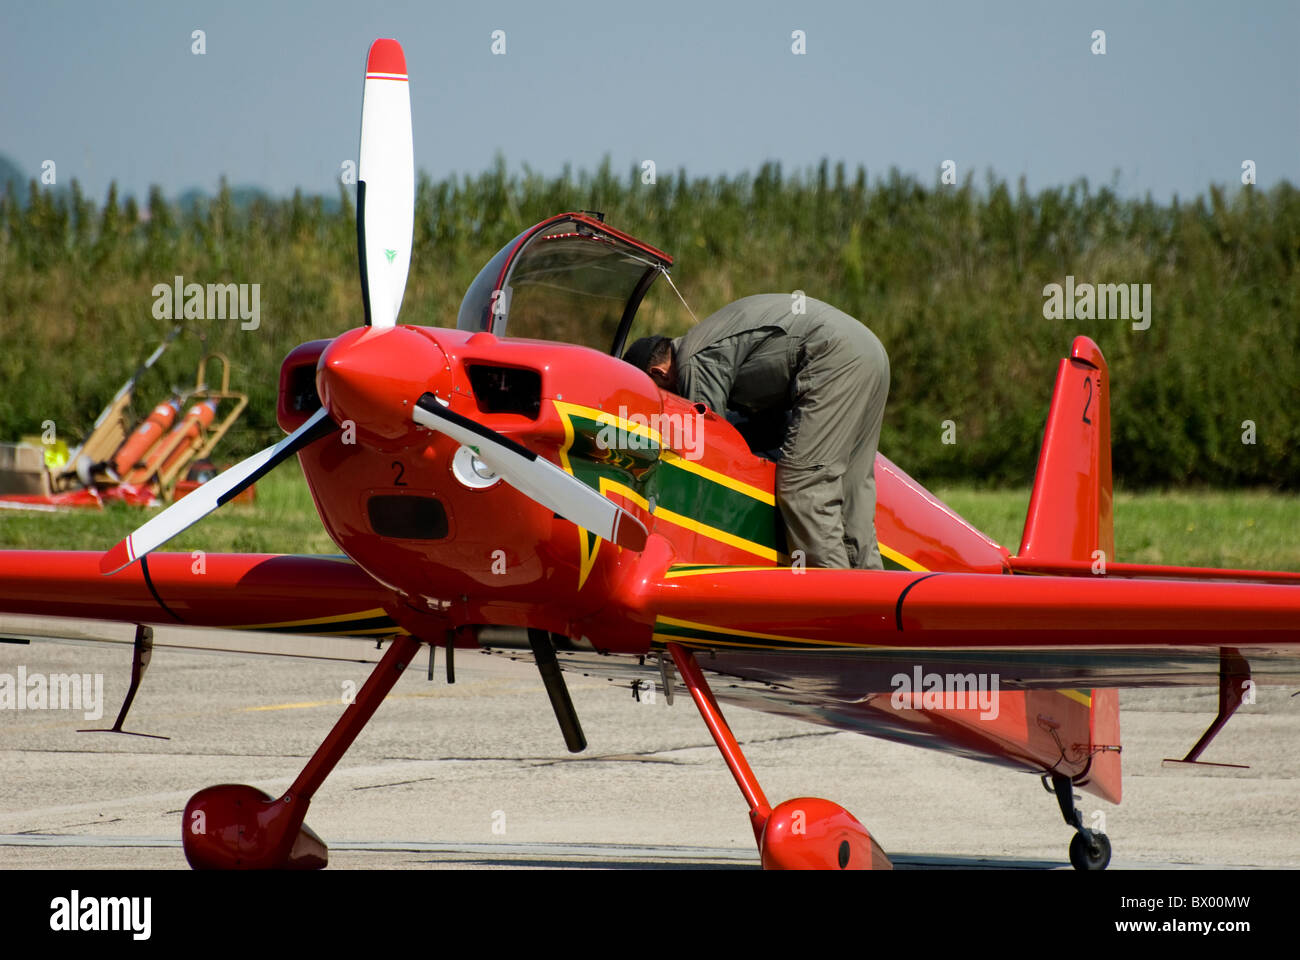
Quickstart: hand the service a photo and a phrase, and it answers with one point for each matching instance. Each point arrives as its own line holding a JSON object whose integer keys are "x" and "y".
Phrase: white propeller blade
{"x": 385, "y": 184}
{"x": 193, "y": 508}
{"x": 536, "y": 477}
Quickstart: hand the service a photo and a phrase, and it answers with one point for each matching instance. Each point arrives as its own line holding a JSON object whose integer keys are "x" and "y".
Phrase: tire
{"x": 1084, "y": 857}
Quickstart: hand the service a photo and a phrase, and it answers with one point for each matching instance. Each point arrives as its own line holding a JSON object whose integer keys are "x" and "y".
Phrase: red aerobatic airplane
{"x": 475, "y": 479}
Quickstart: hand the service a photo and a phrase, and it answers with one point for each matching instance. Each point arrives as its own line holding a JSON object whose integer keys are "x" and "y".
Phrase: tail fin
{"x": 1070, "y": 514}
{"x": 1070, "y": 519}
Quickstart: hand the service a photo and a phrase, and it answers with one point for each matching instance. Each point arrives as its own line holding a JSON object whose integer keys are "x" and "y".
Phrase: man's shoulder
{"x": 760, "y": 307}
{"x": 770, "y": 312}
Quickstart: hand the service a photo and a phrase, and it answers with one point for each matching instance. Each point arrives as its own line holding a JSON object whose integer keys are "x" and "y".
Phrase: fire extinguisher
{"x": 197, "y": 420}
{"x": 131, "y": 453}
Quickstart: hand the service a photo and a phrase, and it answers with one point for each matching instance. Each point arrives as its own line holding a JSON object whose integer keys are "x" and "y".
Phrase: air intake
{"x": 506, "y": 389}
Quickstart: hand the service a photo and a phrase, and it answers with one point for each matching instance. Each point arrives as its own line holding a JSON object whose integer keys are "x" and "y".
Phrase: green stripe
{"x": 685, "y": 492}
{"x": 669, "y": 486}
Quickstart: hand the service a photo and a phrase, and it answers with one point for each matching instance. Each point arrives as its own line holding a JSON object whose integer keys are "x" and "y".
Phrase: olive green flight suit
{"x": 830, "y": 371}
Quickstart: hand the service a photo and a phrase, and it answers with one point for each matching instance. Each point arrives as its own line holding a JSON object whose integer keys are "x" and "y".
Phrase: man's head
{"x": 654, "y": 355}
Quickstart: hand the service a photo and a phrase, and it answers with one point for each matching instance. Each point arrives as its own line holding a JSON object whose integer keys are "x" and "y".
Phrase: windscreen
{"x": 568, "y": 283}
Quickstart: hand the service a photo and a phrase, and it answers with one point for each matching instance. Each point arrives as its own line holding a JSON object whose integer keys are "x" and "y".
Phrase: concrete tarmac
{"x": 475, "y": 775}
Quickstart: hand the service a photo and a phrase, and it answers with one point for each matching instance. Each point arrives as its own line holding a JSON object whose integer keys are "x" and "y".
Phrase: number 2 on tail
{"x": 1087, "y": 385}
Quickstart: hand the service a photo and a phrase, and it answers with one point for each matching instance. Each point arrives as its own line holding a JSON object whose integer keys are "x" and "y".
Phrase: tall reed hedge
{"x": 951, "y": 278}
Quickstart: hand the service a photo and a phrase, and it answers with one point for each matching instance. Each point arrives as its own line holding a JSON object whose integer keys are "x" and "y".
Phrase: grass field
{"x": 1246, "y": 529}
{"x": 281, "y": 520}
{"x": 1204, "y": 528}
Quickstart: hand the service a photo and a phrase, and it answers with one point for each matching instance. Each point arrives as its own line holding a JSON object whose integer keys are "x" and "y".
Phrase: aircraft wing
{"x": 1018, "y": 670}
{"x": 255, "y": 594}
{"x": 852, "y": 631}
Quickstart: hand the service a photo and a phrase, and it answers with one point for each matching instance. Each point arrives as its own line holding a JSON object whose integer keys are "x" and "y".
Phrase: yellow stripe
{"x": 708, "y": 644}
{"x": 568, "y": 436}
{"x": 716, "y": 569}
{"x": 588, "y": 559}
{"x": 748, "y": 645}
{"x": 682, "y": 463}
{"x": 613, "y": 486}
{"x": 692, "y": 625}
{"x": 588, "y": 556}
{"x": 608, "y": 486}
{"x": 668, "y": 455}
{"x": 719, "y": 568}
{"x": 586, "y": 553}
{"x": 1079, "y": 695}
{"x": 901, "y": 560}
{"x": 713, "y": 533}
{"x": 609, "y": 419}
{"x": 317, "y": 621}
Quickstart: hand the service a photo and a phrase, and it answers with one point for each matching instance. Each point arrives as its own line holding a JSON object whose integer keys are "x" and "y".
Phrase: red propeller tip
{"x": 116, "y": 559}
{"x": 629, "y": 533}
{"x": 386, "y": 57}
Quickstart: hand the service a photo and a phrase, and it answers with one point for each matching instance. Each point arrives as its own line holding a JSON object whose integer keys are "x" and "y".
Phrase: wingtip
{"x": 386, "y": 58}
{"x": 116, "y": 559}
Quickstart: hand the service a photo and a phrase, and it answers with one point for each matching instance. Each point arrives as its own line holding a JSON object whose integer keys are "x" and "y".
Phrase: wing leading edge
{"x": 328, "y": 596}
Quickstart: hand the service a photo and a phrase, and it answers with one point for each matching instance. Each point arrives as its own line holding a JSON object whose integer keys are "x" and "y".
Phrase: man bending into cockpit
{"x": 830, "y": 373}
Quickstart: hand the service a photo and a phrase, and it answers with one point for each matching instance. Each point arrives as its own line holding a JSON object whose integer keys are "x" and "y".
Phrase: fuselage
{"x": 481, "y": 553}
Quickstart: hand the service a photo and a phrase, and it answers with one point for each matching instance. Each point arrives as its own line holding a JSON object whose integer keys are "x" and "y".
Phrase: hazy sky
{"x": 1185, "y": 92}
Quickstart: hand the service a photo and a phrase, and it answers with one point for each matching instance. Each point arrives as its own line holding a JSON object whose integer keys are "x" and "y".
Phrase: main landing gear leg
{"x": 237, "y": 827}
{"x": 1089, "y": 849}
{"x": 805, "y": 833}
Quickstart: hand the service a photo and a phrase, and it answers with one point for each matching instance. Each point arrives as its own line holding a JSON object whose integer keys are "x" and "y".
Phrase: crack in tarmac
{"x": 624, "y": 756}
{"x": 65, "y": 826}
{"x": 647, "y": 756}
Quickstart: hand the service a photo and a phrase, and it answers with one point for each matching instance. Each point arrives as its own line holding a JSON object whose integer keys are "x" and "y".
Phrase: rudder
{"x": 1071, "y": 519}
{"x": 1070, "y": 514}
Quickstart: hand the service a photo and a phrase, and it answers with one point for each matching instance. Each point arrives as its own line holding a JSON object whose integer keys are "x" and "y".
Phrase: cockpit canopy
{"x": 569, "y": 278}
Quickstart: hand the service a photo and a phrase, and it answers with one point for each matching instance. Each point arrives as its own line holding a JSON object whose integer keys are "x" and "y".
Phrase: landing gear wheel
{"x": 1090, "y": 856}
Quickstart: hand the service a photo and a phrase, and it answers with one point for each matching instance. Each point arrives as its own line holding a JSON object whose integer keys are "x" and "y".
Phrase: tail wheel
{"x": 1090, "y": 855}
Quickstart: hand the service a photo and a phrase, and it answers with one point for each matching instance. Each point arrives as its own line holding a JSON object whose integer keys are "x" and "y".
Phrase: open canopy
{"x": 569, "y": 278}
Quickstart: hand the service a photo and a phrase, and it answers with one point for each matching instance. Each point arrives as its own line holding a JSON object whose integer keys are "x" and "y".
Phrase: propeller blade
{"x": 535, "y": 477}
{"x": 385, "y": 184}
{"x": 189, "y": 510}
